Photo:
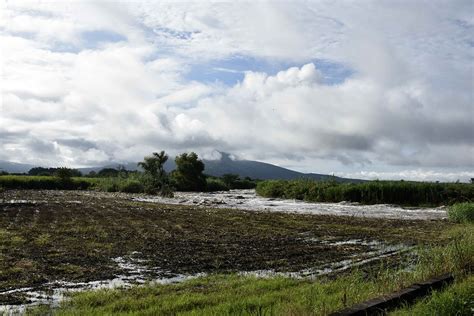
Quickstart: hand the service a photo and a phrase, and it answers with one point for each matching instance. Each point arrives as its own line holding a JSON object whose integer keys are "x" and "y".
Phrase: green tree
{"x": 64, "y": 174}
{"x": 108, "y": 173}
{"x": 188, "y": 175}
{"x": 40, "y": 171}
{"x": 155, "y": 177}
{"x": 230, "y": 179}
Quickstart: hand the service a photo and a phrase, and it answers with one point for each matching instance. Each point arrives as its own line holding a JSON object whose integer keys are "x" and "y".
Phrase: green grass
{"x": 461, "y": 212}
{"x": 12, "y": 182}
{"x": 246, "y": 295}
{"x": 131, "y": 184}
{"x": 455, "y": 300}
{"x": 372, "y": 192}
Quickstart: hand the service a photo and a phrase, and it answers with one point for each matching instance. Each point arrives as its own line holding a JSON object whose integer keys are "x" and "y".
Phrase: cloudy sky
{"x": 368, "y": 89}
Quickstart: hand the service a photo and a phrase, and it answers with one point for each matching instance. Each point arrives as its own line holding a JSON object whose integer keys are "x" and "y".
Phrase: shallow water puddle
{"x": 249, "y": 200}
{"x": 134, "y": 273}
{"x": 379, "y": 252}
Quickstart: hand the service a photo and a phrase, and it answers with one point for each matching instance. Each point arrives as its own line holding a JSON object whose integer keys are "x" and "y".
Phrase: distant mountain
{"x": 132, "y": 166}
{"x": 259, "y": 170}
{"x": 243, "y": 168}
{"x": 14, "y": 167}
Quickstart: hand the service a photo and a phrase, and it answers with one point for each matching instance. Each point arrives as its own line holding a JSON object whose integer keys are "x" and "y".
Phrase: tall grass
{"x": 461, "y": 212}
{"x": 456, "y": 300}
{"x": 373, "y": 192}
{"x": 131, "y": 184}
{"x": 43, "y": 183}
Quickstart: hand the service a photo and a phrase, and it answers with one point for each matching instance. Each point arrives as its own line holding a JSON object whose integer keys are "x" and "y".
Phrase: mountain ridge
{"x": 225, "y": 165}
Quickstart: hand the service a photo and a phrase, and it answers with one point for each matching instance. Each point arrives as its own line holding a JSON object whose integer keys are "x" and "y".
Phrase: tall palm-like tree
{"x": 155, "y": 172}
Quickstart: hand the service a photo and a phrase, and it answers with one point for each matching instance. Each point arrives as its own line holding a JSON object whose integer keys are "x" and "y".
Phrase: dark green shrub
{"x": 272, "y": 188}
{"x": 40, "y": 171}
{"x": 107, "y": 172}
{"x": 214, "y": 184}
{"x": 132, "y": 186}
{"x": 188, "y": 175}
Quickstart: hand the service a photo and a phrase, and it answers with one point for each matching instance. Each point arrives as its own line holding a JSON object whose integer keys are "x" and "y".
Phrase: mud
{"x": 52, "y": 242}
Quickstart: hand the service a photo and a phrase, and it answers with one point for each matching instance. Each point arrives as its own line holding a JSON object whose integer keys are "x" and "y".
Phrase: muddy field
{"x": 53, "y": 240}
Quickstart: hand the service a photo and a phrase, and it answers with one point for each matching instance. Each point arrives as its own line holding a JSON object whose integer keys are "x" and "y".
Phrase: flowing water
{"x": 249, "y": 200}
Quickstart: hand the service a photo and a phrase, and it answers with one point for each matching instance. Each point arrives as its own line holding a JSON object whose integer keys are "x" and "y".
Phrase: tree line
{"x": 153, "y": 179}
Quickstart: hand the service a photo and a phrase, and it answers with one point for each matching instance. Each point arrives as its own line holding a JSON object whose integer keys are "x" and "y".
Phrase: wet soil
{"x": 75, "y": 236}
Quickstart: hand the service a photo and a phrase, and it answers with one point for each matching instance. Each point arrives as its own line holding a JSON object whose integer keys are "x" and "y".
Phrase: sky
{"x": 363, "y": 89}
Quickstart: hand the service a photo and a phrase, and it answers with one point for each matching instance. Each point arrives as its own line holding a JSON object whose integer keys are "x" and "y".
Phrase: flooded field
{"x": 249, "y": 200}
{"x": 54, "y": 242}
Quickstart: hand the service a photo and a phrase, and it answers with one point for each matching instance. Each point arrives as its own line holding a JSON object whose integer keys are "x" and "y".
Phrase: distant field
{"x": 372, "y": 192}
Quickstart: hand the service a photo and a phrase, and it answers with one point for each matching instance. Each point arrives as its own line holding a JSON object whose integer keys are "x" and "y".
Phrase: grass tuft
{"x": 462, "y": 212}
{"x": 456, "y": 300}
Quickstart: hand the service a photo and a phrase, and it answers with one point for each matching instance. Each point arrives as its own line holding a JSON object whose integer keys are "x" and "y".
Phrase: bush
{"x": 461, "y": 212}
{"x": 40, "y": 171}
{"x": 132, "y": 186}
{"x": 188, "y": 175}
{"x": 214, "y": 184}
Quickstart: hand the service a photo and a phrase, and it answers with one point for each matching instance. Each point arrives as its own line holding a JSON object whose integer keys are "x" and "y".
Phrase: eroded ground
{"x": 53, "y": 238}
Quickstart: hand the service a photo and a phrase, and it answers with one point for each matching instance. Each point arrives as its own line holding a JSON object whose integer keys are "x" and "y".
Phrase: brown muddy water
{"x": 55, "y": 242}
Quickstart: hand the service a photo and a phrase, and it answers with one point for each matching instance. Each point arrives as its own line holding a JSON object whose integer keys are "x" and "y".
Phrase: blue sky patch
{"x": 93, "y": 39}
{"x": 231, "y": 70}
{"x": 167, "y": 32}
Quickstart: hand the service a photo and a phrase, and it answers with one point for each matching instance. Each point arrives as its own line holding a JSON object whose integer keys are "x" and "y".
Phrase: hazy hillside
{"x": 256, "y": 170}
{"x": 13, "y": 167}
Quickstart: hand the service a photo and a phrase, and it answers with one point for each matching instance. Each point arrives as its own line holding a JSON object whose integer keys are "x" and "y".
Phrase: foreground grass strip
{"x": 223, "y": 295}
{"x": 394, "y": 300}
{"x": 247, "y": 295}
{"x": 456, "y": 300}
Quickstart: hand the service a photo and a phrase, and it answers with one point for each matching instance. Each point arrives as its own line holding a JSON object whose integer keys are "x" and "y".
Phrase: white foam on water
{"x": 53, "y": 293}
{"x": 249, "y": 200}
